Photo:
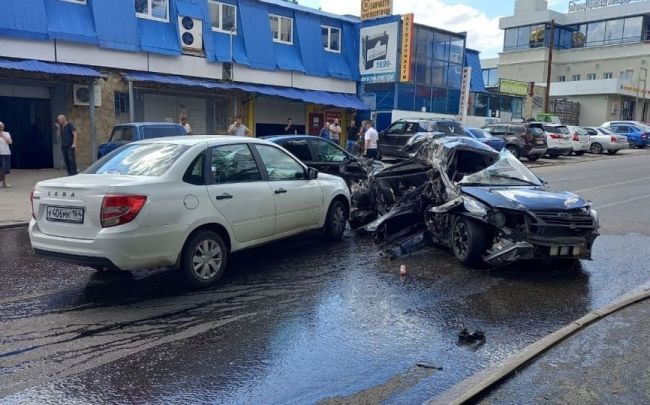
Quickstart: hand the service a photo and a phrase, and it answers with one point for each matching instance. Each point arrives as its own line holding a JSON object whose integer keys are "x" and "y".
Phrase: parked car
{"x": 326, "y": 156}
{"x": 485, "y": 206}
{"x": 521, "y": 139}
{"x": 602, "y": 139}
{"x": 482, "y": 135}
{"x": 579, "y": 139}
{"x": 127, "y": 133}
{"x": 558, "y": 138}
{"x": 184, "y": 202}
{"x": 608, "y": 124}
{"x": 637, "y": 135}
{"x": 401, "y": 138}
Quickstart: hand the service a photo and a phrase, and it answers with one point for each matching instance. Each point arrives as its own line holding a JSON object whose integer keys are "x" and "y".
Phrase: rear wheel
{"x": 204, "y": 259}
{"x": 468, "y": 241}
{"x": 514, "y": 149}
{"x": 533, "y": 158}
{"x": 612, "y": 152}
{"x": 337, "y": 219}
{"x": 596, "y": 148}
{"x": 641, "y": 146}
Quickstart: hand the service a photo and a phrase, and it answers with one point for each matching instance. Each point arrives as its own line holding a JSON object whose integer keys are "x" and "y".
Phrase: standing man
{"x": 239, "y": 129}
{"x": 290, "y": 129}
{"x": 69, "y": 138}
{"x": 361, "y": 143}
{"x": 353, "y": 133}
{"x": 335, "y": 132}
{"x": 5, "y": 155}
{"x": 325, "y": 131}
{"x": 371, "y": 138}
{"x": 186, "y": 125}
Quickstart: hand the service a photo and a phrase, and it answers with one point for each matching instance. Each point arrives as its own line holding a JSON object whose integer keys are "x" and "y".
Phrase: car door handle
{"x": 224, "y": 196}
{"x": 280, "y": 191}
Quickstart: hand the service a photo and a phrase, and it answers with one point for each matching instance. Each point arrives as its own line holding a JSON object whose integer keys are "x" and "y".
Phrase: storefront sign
{"x": 584, "y": 5}
{"x": 407, "y": 47}
{"x": 464, "y": 93}
{"x": 376, "y": 8}
{"x": 378, "y": 56}
{"x": 513, "y": 87}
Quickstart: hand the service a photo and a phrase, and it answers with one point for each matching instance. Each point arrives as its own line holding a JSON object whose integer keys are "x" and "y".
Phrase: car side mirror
{"x": 312, "y": 174}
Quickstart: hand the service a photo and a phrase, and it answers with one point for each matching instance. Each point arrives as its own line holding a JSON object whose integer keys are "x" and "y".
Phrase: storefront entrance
{"x": 29, "y": 122}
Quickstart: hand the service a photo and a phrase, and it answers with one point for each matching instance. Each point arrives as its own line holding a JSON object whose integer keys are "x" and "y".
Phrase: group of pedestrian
{"x": 361, "y": 141}
{"x": 332, "y": 131}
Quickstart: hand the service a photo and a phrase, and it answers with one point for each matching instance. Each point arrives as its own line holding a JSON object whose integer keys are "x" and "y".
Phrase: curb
{"x": 14, "y": 225}
{"x": 483, "y": 381}
{"x": 557, "y": 162}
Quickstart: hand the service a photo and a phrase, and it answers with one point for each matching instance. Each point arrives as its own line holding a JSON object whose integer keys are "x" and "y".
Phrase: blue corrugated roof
{"x": 256, "y": 31}
{"x": 24, "y": 18}
{"x": 70, "y": 21}
{"x": 48, "y": 67}
{"x": 116, "y": 25}
{"x": 472, "y": 60}
{"x": 342, "y": 100}
{"x": 159, "y": 37}
{"x": 310, "y": 10}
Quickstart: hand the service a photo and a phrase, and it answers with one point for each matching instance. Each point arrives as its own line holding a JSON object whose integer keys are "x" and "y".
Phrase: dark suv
{"x": 521, "y": 139}
{"x": 402, "y": 136}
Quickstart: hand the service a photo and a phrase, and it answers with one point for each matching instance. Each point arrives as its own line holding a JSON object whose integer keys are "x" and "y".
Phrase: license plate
{"x": 539, "y": 141}
{"x": 69, "y": 215}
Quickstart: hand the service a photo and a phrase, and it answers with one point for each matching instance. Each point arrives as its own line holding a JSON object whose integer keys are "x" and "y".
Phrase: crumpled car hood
{"x": 526, "y": 198}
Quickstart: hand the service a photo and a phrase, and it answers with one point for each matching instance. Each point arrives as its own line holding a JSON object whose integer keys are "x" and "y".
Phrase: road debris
{"x": 432, "y": 366}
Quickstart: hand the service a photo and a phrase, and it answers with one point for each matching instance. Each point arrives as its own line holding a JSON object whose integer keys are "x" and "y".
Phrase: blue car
{"x": 481, "y": 135}
{"x": 127, "y": 133}
{"x": 637, "y": 135}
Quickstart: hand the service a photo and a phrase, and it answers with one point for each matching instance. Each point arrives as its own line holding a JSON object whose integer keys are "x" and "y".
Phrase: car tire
{"x": 641, "y": 146}
{"x": 514, "y": 149}
{"x": 533, "y": 158}
{"x": 336, "y": 222}
{"x": 204, "y": 259}
{"x": 612, "y": 152}
{"x": 468, "y": 241}
{"x": 596, "y": 148}
{"x": 580, "y": 153}
{"x": 554, "y": 156}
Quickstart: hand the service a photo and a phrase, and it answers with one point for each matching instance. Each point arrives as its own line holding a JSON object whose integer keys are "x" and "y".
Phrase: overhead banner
{"x": 371, "y": 9}
{"x": 407, "y": 47}
{"x": 378, "y": 56}
{"x": 464, "y": 93}
{"x": 513, "y": 87}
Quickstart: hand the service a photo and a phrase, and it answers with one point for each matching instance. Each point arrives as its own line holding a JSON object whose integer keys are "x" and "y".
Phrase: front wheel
{"x": 596, "y": 148}
{"x": 533, "y": 158}
{"x": 204, "y": 259}
{"x": 337, "y": 219}
{"x": 468, "y": 241}
{"x": 514, "y": 150}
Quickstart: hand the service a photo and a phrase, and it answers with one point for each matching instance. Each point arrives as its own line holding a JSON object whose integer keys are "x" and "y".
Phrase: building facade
{"x": 601, "y": 55}
{"x": 154, "y": 60}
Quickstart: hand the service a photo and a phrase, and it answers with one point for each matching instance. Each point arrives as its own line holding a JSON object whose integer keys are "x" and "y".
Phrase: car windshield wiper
{"x": 503, "y": 176}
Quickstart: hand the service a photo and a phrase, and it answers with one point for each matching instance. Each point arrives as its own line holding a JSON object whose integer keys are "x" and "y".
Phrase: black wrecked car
{"x": 403, "y": 137}
{"x": 485, "y": 206}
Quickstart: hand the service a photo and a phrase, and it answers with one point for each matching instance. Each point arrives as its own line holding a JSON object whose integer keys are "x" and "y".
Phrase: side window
{"x": 396, "y": 128}
{"x": 411, "y": 128}
{"x": 127, "y": 134}
{"x": 592, "y": 131}
{"x": 234, "y": 164}
{"x": 498, "y": 130}
{"x": 326, "y": 152}
{"x": 116, "y": 136}
{"x": 195, "y": 174}
{"x": 299, "y": 149}
{"x": 279, "y": 165}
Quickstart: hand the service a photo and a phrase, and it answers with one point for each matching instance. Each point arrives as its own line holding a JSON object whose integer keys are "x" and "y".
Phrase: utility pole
{"x": 547, "y": 95}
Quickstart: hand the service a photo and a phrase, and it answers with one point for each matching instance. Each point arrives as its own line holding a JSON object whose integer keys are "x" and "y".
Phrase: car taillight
{"x": 31, "y": 202}
{"x": 613, "y": 139}
{"x": 529, "y": 137}
{"x": 576, "y": 137}
{"x": 555, "y": 136}
{"x": 118, "y": 209}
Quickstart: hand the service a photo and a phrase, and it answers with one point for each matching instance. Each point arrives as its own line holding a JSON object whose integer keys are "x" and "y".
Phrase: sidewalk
{"x": 15, "y": 207}
{"x": 607, "y": 362}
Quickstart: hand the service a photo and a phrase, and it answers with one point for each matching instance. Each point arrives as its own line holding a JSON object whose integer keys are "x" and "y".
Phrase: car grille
{"x": 571, "y": 218}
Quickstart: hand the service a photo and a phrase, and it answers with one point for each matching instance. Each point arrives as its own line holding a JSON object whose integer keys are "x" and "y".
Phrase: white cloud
{"x": 483, "y": 32}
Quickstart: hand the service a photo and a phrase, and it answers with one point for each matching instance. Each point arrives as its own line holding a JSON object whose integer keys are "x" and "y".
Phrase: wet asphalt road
{"x": 304, "y": 321}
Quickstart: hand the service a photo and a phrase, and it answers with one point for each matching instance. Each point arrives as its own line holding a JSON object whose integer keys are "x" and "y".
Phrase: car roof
{"x": 275, "y": 138}
{"x": 191, "y": 140}
{"x": 144, "y": 124}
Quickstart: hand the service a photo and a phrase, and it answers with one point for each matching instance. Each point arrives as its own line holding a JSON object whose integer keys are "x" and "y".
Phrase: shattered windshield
{"x": 506, "y": 171}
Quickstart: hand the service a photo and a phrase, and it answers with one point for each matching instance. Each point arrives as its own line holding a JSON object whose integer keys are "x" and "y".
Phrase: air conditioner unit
{"x": 81, "y": 95}
{"x": 191, "y": 34}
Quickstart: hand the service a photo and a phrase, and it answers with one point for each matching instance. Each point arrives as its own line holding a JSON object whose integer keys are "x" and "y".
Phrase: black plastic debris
{"x": 432, "y": 366}
{"x": 465, "y": 337}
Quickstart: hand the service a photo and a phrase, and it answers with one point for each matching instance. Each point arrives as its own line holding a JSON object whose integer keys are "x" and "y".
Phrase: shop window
{"x": 281, "y": 29}
{"x": 152, "y": 9}
{"x": 331, "y": 38}
{"x": 223, "y": 16}
{"x": 122, "y": 107}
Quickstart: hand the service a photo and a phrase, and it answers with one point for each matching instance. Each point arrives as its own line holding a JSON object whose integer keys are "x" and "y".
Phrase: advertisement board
{"x": 378, "y": 56}
{"x": 513, "y": 87}
{"x": 464, "y": 94}
{"x": 407, "y": 48}
{"x": 376, "y": 8}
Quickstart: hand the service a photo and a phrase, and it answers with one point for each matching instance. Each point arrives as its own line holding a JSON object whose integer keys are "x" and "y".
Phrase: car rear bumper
{"x": 616, "y": 146}
{"x": 537, "y": 151}
{"x": 559, "y": 150}
{"x": 143, "y": 248}
{"x": 581, "y": 146}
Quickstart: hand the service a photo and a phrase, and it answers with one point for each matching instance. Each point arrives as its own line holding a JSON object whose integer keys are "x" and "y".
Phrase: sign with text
{"x": 378, "y": 56}
{"x": 375, "y": 9}
{"x": 584, "y": 5}
{"x": 513, "y": 87}
{"x": 407, "y": 48}
{"x": 464, "y": 93}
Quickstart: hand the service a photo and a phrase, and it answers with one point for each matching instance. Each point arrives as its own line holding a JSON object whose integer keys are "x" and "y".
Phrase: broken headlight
{"x": 474, "y": 206}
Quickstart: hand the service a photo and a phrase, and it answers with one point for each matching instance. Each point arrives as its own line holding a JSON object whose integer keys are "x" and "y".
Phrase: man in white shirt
{"x": 239, "y": 129}
{"x": 371, "y": 138}
{"x": 186, "y": 125}
{"x": 5, "y": 155}
{"x": 335, "y": 132}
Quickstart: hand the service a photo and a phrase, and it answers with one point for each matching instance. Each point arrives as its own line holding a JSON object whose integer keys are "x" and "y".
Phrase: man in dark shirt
{"x": 290, "y": 129}
{"x": 353, "y": 133}
{"x": 68, "y": 144}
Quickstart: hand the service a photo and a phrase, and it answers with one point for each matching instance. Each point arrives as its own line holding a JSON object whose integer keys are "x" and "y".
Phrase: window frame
{"x": 576, "y": 78}
{"x": 264, "y": 170}
{"x": 286, "y": 143}
{"x": 329, "y": 29}
{"x": 608, "y": 75}
{"x": 314, "y": 145}
{"x": 221, "y": 4}
{"x": 150, "y": 16}
{"x": 209, "y": 174}
{"x": 279, "y": 40}
{"x": 591, "y": 76}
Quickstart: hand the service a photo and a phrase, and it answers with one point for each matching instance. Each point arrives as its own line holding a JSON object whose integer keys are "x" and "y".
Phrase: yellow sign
{"x": 376, "y": 8}
{"x": 513, "y": 87}
{"x": 407, "y": 47}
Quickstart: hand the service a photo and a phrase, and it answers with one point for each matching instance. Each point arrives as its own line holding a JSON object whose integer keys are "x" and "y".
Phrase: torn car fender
{"x": 448, "y": 206}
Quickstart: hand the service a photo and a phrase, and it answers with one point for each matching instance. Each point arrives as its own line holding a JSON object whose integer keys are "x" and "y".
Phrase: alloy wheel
{"x": 460, "y": 238}
{"x": 207, "y": 259}
{"x": 338, "y": 219}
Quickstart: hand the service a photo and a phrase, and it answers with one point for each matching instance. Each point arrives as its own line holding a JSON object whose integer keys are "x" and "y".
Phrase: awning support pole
{"x": 93, "y": 126}
{"x": 131, "y": 102}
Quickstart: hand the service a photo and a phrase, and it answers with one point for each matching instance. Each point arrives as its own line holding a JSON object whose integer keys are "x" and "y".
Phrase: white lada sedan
{"x": 184, "y": 203}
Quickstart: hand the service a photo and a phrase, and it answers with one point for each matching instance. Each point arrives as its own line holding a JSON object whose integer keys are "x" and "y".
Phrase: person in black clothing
{"x": 290, "y": 129}
{"x": 68, "y": 144}
{"x": 353, "y": 136}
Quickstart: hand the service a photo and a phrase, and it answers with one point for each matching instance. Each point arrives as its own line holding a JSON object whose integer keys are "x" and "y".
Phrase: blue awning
{"x": 37, "y": 66}
{"x": 473, "y": 61}
{"x": 342, "y": 100}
